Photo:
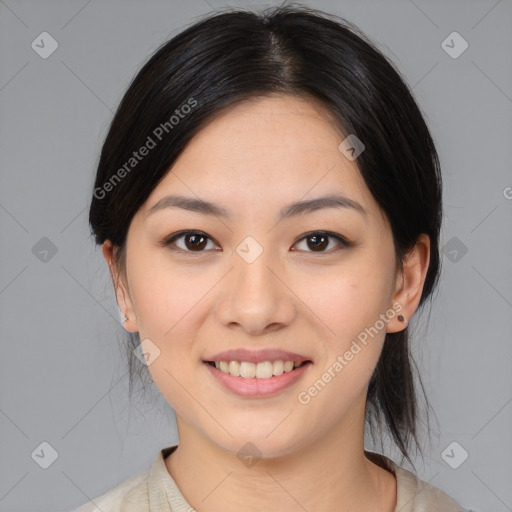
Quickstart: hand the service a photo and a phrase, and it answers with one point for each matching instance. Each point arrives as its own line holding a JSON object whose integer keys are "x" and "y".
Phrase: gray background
{"x": 62, "y": 376}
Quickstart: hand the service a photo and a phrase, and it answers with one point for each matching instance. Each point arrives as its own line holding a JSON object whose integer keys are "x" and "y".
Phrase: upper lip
{"x": 258, "y": 356}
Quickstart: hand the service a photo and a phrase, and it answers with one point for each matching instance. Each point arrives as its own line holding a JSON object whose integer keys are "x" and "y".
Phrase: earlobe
{"x": 409, "y": 283}
{"x": 401, "y": 318}
{"x": 128, "y": 320}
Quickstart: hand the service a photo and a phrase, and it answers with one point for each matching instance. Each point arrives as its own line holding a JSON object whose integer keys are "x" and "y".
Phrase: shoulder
{"x": 422, "y": 496}
{"x": 413, "y": 494}
{"x": 129, "y": 496}
{"x": 153, "y": 489}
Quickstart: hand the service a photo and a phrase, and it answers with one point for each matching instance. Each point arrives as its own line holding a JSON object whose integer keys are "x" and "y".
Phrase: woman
{"x": 268, "y": 201}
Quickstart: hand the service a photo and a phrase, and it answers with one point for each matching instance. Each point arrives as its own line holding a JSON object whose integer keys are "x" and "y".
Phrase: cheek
{"x": 171, "y": 306}
{"x": 349, "y": 305}
{"x": 352, "y": 336}
{"x": 169, "y": 299}
{"x": 169, "y": 310}
{"x": 347, "y": 302}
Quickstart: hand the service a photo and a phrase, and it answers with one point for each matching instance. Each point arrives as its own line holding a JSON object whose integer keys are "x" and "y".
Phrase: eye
{"x": 318, "y": 241}
{"x": 193, "y": 241}
{"x": 197, "y": 241}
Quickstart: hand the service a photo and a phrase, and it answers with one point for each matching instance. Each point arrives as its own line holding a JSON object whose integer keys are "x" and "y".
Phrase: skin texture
{"x": 254, "y": 159}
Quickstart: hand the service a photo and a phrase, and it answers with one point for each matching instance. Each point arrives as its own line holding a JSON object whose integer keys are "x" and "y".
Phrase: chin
{"x": 257, "y": 443}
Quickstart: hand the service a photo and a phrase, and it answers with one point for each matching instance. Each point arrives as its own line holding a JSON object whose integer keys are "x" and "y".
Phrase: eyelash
{"x": 344, "y": 243}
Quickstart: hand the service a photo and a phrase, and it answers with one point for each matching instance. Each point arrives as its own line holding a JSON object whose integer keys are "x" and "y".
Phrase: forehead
{"x": 274, "y": 125}
{"x": 266, "y": 152}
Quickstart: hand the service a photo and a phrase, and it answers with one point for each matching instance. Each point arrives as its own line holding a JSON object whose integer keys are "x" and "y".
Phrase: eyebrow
{"x": 291, "y": 210}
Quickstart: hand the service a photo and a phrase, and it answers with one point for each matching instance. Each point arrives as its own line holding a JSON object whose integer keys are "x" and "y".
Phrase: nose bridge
{"x": 256, "y": 298}
{"x": 253, "y": 261}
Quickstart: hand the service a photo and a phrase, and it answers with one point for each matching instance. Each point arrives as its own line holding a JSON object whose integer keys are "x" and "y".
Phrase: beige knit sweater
{"x": 156, "y": 491}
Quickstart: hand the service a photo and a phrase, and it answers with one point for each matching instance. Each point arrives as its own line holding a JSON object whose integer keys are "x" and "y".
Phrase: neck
{"x": 328, "y": 474}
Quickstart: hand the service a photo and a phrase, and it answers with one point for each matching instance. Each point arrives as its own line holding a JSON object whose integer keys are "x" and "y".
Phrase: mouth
{"x": 262, "y": 370}
{"x": 257, "y": 380}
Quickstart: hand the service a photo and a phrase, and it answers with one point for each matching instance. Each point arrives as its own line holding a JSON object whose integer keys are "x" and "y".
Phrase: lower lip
{"x": 258, "y": 388}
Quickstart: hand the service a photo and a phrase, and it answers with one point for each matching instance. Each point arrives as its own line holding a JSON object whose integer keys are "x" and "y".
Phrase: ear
{"x": 121, "y": 289}
{"x": 409, "y": 283}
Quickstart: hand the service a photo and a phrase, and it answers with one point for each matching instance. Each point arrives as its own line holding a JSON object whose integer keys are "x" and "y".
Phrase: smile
{"x": 248, "y": 370}
{"x": 263, "y": 370}
{"x": 256, "y": 380}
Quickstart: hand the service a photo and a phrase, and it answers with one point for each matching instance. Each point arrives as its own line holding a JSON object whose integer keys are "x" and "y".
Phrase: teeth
{"x": 263, "y": 370}
{"x": 277, "y": 368}
{"x": 234, "y": 368}
{"x": 248, "y": 370}
{"x": 288, "y": 366}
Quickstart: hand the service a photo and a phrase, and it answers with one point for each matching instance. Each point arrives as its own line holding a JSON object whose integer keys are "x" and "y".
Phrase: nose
{"x": 256, "y": 297}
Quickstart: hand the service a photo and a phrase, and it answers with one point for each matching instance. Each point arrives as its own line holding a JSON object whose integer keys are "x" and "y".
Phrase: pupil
{"x": 194, "y": 238}
{"x": 316, "y": 243}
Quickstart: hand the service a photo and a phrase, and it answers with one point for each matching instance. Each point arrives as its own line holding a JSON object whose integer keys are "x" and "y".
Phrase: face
{"x": 318, "y": 283}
